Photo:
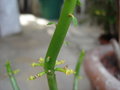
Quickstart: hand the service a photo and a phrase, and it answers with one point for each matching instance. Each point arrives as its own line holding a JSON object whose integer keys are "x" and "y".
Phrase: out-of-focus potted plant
{"x": 104, "y": 12}
{"x": 102, "y": 64}
{"x": 102, "y": 68}
{"x": 50, "y": 9}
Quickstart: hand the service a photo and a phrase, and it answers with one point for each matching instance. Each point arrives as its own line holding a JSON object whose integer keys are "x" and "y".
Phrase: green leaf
{"x": 75, "y": 22}
{"x": 74, "y": 19}
{"x": 50, "y": 23}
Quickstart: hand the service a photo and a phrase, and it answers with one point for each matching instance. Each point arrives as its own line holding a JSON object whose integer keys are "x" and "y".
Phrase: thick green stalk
{"x": 11, "y": 77}
{"x": 77, "y": 70}
{"x": 57, "y": 41}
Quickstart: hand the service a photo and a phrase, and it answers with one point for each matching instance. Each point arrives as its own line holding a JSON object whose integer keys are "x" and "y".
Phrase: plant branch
{"x": 77, "y": 70}
{"x": 11, "y": 76}
{"x": 57, "y": 41}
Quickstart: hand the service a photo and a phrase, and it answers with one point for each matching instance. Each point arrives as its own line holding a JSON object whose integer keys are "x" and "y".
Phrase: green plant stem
{"x": 77, "y": 70}
{"x": 57, "y": 41}
{"x": 11, "y": 76}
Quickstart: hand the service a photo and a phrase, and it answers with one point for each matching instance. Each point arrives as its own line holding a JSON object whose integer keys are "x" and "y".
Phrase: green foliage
{"x": 105, "y": 12}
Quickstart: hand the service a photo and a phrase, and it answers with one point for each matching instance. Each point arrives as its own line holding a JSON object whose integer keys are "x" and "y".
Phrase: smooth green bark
{"x": 57, "y": 41}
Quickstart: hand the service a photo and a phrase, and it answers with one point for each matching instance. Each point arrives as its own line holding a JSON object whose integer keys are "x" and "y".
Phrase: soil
{"x": 110, "y": 62}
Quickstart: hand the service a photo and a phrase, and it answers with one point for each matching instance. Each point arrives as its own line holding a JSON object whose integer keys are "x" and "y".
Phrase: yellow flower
{"x": 69, "y": 71}
{"x": 36, "y": 76}
{"x": 65, "y": 70}
{"x": 41, "y": 60}
{"x": 37, "y": 64}
{"x": 16, "y": 71}
{"x": 34, "y": 64}
{"x": 60, "y": 62}
{"x": 31, "y": 78}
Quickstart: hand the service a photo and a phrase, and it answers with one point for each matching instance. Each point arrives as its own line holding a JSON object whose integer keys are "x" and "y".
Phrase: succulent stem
{"x": 57, "y": 41}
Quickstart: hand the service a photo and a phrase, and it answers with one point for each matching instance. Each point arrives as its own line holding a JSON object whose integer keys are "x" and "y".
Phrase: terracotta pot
{"x": 99, "y": 77}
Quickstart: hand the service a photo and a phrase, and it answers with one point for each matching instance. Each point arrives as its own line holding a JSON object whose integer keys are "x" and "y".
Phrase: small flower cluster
{"x": 65, "y": 70}
{"x": 41, "y": 61}
{"x": 36, "y": 76}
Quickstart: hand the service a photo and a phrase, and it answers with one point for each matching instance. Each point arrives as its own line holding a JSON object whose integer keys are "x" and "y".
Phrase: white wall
{"x": 9, "y": 17}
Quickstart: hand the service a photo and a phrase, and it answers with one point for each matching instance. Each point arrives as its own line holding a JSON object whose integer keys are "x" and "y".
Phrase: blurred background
{"x": 25, "y": 36}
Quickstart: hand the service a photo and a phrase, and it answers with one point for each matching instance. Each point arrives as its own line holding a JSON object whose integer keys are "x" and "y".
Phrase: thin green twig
{"x": 11, "y": 76}
{"x": 77, "y": 70}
